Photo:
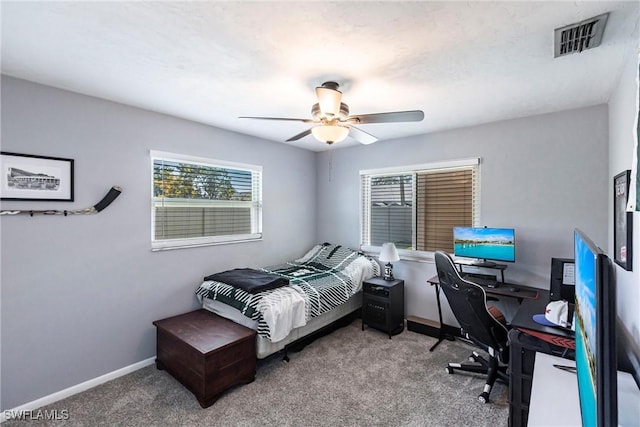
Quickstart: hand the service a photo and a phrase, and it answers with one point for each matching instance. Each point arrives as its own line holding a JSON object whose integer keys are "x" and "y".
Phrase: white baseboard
{"x": 63, "y": 394}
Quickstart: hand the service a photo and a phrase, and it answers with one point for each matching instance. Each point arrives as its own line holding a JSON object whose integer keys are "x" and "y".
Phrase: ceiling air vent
{"x": 581, "y": 36}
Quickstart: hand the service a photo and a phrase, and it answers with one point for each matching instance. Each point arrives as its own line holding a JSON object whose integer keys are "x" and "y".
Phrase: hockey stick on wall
{"x": 113, "y": 193}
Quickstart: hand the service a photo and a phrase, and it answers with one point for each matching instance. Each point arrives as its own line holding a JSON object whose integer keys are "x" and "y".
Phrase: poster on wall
{"x": 28, "y": 177}
{"x": 622, "y": 221}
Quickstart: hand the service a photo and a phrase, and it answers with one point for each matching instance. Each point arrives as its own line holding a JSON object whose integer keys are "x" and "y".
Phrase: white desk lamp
{"x": 388, "y": 254}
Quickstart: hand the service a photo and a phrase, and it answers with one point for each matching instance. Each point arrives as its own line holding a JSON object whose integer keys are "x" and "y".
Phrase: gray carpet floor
{"x": 346, "y": 378}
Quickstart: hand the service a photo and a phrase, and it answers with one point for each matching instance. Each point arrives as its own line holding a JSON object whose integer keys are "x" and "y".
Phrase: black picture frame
{"x": 622, "y": 222}
{"x": 28, "y": 177}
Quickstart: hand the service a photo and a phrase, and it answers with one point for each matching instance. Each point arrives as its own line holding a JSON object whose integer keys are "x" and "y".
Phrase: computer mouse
{"x": 514, "y": 289}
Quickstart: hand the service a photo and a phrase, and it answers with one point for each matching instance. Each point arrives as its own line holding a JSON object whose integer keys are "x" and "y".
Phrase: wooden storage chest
{"x": 207, "y": 353}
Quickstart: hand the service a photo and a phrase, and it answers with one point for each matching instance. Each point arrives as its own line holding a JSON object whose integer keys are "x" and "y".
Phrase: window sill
{"x": 405, "y": 254}
{"x": 167, "y": 245}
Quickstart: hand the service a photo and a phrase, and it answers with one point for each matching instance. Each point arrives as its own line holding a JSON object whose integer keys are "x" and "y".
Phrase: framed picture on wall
{"x": 29, "y": 177}
{"x": 622, "y": 221}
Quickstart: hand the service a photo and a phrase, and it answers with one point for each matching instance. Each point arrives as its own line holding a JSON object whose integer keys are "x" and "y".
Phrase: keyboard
{"x": 487, "y": 283}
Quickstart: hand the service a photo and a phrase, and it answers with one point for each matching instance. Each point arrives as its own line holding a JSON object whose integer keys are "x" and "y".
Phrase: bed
{"x": 320, "y": 288}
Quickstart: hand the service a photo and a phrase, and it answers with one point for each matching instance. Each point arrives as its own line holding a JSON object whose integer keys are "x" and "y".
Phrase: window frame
{"x": 190, "y": 242}
{"x": 411, "y": 254}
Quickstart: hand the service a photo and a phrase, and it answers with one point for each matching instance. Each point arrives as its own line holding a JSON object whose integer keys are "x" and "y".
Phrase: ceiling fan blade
{"x": 396, "y": 116}
{"x": 361, "y": 136}
{"x": 280, "y": 118}
{"x": 300, "y": 135}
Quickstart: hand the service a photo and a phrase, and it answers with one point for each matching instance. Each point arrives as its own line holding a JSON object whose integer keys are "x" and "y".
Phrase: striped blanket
{"x": 319, "y": 281}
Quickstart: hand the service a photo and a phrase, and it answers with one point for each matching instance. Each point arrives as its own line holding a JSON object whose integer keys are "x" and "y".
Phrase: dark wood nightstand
{"x": 383, "y": 305}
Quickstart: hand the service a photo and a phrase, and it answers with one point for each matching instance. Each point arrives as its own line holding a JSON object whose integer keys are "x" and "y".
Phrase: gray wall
{"x": 542, "y": 175}
{"x": 79, "y": 293}
{"x": 623, "y": 111}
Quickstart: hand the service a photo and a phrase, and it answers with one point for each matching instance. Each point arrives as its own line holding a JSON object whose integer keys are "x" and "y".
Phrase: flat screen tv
{"x": 485, "y": 244}
{"x": 595, "y": 326}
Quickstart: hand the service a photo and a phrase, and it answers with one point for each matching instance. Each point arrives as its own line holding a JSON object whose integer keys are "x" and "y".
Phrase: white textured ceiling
{"x": 462, "y": 63}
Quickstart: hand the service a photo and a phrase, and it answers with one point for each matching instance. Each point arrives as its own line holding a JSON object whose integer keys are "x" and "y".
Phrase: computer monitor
{"x": 563, "y": 282}
{"x": 485, "y": 244}
{"x": 595, "y": 332}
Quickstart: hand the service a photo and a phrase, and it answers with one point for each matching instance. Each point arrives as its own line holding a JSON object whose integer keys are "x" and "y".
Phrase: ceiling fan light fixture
{"x": 329, "y": 98}
{"x": 317, "y": 114}
{"x": 330, "y": 134}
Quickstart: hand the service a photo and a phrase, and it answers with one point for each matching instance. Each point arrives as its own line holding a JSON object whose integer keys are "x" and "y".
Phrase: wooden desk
{"x": 434, "y": 281}
{"x": 510, "y": 290}
{"x": 554, "y": 394}
{"x": 523, "y": 321}
{"x": 473, "y": 263}
{"x": 539, "y": 394}
{"x": 555, "y": 398}
{"x": 527, "y": 340}
{"x": 504, "y": 290}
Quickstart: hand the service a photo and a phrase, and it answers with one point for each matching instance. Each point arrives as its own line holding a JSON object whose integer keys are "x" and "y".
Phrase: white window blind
{"x": 390, "y": 210}
{"x": 198, "y": 201}
{"x": 417, "y": 207}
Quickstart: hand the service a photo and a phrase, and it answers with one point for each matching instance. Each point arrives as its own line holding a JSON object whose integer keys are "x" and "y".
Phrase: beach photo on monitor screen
{"x": 585, "y": 333}
{"x": 486, "y": 243}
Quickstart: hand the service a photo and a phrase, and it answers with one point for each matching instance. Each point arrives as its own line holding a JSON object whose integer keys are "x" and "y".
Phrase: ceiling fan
{"x": 334, "y": 123}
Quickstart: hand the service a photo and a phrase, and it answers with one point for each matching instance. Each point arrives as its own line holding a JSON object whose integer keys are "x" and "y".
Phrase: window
{"x": 198, "y": 201}
{"x": 416, "y": 207}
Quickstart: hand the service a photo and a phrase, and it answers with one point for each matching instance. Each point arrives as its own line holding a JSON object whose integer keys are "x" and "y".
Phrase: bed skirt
{"x": 265, "y": 347}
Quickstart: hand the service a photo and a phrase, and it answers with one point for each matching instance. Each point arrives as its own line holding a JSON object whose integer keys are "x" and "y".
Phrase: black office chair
{"x": 468, "y": 302}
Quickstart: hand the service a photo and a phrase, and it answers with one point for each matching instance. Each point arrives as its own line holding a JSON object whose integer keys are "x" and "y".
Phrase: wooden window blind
{"x": 198, "y": 202}
{"x": 416, "y": 208}
{"x": 445, "y": 199}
